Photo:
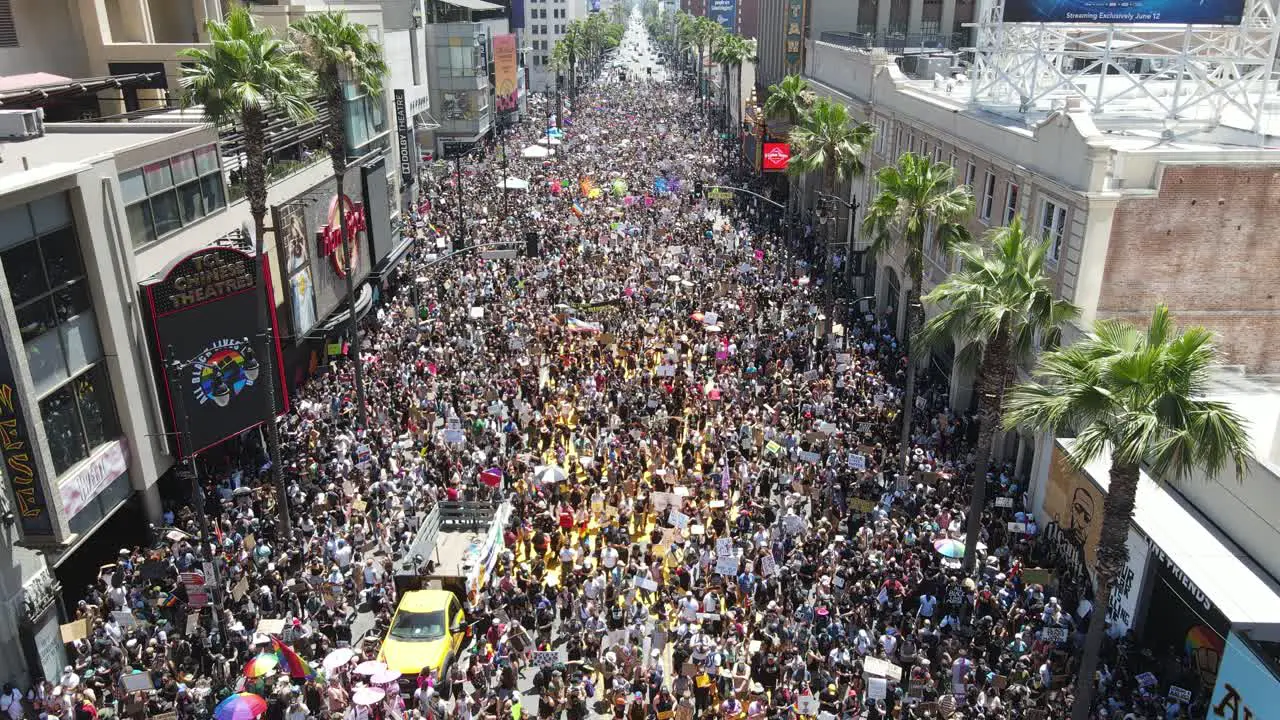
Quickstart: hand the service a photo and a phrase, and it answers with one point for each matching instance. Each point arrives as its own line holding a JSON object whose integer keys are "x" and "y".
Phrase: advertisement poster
{"x": 506, "y": 94}
{"x": 724, "y": 12}
{"x": 291, "y": 222}
{"x": 1246, "y": 688}
{"x": 794, "y": 35}
{"x": 204, "y": 320}
{"x": 21, "y": 466}
{"x": 330, "y": 244}
{"x": 1153, "y": 12}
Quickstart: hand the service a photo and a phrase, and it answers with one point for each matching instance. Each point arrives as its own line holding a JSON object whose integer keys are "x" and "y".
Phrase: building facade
{"x": 546, "y": 22}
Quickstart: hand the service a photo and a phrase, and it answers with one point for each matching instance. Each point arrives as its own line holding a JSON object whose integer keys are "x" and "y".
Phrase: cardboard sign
{"x": 548, "y": 658}
{"x": 727, "y": 565}
{"x": 240, "y": 589}
{"x": 807, "y": 705}
{"x": 881, "y": 668}
{"x": 1054, "y": 634}
{"x": 679, "y": 520}
{"x": 137, "y": 682}
{"x": 1004, "y": 502}
{"x": 861, "y": 505}
{"x": 1017, "y": 527}
{"x": 877, "y": 688}
{"x": 1179, "y": 694}
{"x": 809, "y": 457}
{"x": 768, "y": 566}
{"x": 724, "y": 546}
{"x": 646, "y": 584}
{"x": 250, "y": 542}
{"x": 858, "y": 462}
{"x": 271, "y": 626}
{"x": 124, "y": 618}
{"x": 193, "y": 623}
{"x": 76, "y": 630}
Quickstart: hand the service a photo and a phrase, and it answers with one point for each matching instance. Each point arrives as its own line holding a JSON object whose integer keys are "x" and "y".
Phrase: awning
{"x": 398, "y": 253}
{"x": 37, "y": 87}
{"x": 473, "y": 4}
{"x": 1223, "y": 572}
{"x": 364, "y": 301}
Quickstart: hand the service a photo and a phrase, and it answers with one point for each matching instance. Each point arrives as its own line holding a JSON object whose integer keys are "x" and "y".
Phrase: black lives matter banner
{"x": 204, "y": 322}
{"x": 20, "y": 464}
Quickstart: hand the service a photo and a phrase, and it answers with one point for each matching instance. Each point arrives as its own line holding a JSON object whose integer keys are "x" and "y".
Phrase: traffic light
{"x": 531, "y": 244}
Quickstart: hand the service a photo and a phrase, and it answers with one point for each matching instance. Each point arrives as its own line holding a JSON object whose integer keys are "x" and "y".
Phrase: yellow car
{"x": 425, "y": 634}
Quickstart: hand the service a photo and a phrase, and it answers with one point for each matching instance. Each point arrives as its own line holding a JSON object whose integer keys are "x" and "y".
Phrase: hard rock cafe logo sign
{"x": 223, "y": 370}
{"x": 331, "y": 240}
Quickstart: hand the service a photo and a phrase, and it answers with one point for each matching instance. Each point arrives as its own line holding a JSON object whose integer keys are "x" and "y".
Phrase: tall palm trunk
{"x": 992, "y": 376}
{"x": 255, "y": 181}
{"x": 913, "y": 322}
{"x": 338, "y": 157}
{"x": 1113, "y": 555}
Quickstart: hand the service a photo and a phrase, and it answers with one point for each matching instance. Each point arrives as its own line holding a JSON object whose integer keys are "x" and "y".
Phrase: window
{"x": 882, "y": 129}
{"x": 911, "y": 142}
{"x": 8, "y": 31}
{"x": 1053, "y": 225}
{"x": 970, "y": 173}
{"x": 937, "y": 154}
{"x": 40, "y": 253}
{"x": 1010, "y": 202}
{"x": 924, "y": 148}
{"x": 988, "y": 196}
{"x": 166, "y": 196}
{"x": 898, "y": 147}
{"x": 952, "y": 160}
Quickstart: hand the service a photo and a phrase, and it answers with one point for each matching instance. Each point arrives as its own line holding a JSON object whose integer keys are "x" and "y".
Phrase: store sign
{"x": 78, "y": 490}
{"x": 343, "y": 235}
{"x": 793, "y": 39}
{"x": 1170, "y": 566}
{"x": 204, "y": 318}
{"x": 404, "y": 138}
{"x": 776, "y": 156}
{"x": 1246, "y": 689}
{"x": 724, "y": 13}
{"x": 20, "y": 463}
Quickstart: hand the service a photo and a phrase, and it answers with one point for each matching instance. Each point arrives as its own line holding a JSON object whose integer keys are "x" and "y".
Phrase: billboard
{"x": 204, "y": 319}
{"x": 517, "y": 15}
{"x": 328, "y": 247}
{"x": 724, "y": 12}
{"x": 21, "y": 466}
{"x": 776, "y": 157}
{"x": 405, "y": 140}
{"x": 1246, "y": 688}
{"x": 377, "y": 195}
{"x": 794, "y": 36}
{"x": 1162, "y": 12}
{"x": 505, "y": 91}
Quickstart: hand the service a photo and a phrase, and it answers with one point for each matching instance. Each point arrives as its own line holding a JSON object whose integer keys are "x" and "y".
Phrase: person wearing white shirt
{"x": 609, "y": 557}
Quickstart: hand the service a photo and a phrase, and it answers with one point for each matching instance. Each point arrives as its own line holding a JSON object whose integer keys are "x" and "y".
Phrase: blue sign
{"x": 595, "y": 5}
{"x": 1245, "y": 688}
{"x": 1150, "y": 12}
{"x": 517, "y": 14}
{"x": 724, "y": 12}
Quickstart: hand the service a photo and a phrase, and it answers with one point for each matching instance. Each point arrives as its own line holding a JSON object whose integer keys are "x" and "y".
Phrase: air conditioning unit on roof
{"x": 21, "y": 124}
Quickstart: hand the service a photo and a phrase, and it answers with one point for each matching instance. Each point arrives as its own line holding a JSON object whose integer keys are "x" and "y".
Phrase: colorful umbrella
{"x": 298, "y": 668}
{"x": 262, "y": 665}
{"x": 240, "y": 706}
{"x": 949, "y": 548}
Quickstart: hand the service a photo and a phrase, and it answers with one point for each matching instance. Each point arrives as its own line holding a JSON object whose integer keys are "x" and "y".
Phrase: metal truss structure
{"x": 1205, "y": 74}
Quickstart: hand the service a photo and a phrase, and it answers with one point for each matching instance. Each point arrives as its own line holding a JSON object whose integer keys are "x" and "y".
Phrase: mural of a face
{"x": 1081, "y": 509}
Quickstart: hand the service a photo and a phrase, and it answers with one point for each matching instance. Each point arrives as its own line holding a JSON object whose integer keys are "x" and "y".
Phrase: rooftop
{"x": 67, "y": 148}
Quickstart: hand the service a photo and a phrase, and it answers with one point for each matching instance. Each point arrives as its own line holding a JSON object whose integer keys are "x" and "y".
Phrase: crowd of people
{"x": 726, "y": 531}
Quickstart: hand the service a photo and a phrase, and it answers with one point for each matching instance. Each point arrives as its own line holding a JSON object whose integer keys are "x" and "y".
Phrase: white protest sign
{"x": 1004, "y": 502}
{"x": 793, "y": 523}
{"x": 1054, "y": 634}
{"x": 724, "y": 546}
{"x": 864, "y": 427}
{"x": 877, "y": 688}
{"x": 768, "y": 567}
{"x": 881, "y": 668}
{"x": 727, "y": 565}
{"x": 547, "y": 658}
{"x": 476, "y": 312}
{"x": 645, "y": 583}
{"x": 679, "y": 519}
{"x": 809, "y": 457}
{"x": 1017, "y": 527}
{"x": 807, "y": 705}
{"x": 858, "y": 462}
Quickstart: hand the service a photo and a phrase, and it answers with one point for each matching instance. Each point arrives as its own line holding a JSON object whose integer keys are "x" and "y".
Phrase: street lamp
{"x": 825, "y": 216}
{"x": 184, "y": 451}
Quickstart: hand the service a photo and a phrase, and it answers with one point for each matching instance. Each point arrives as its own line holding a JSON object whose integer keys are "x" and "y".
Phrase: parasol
{"x": 240, "y": 706}
{"x": 338, "y": 658}
{"x": 949, "y": 548}
{"x": 370, "y": 667}
{"x": 262, "y": 665}
{"x": 386, "y": 677}
{"x": 367, "y": 695}
{"x": 536, "y": 151}
{"x": 544, "y": 474}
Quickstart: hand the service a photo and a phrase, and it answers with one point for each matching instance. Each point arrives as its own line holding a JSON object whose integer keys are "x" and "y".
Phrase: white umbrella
{"x": 337, "y": 658}
{"x": 367, "y": 695}
{"x": 548, "y": 141}
{"x": 385, "y": 677}
{"x": 370, "y": 667}
{"x": 514, "y": 183}
{"x": 546, "y": 474}
{"x": 536, "y": 151}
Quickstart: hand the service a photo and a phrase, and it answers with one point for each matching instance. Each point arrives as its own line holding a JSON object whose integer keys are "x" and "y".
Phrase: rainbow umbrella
{"x": 240, "y": 706}
{"x": 949, "y": 548}
{"x": 298, "y": 668}
{"x": 262, "y": 665}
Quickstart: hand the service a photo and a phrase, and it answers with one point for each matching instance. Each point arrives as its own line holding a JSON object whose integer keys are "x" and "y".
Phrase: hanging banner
{"x": 404, "y": 137}
{"x": 506, "y": 92}
{"x": 20, "y": 464}
{"x": 794, "y": 37}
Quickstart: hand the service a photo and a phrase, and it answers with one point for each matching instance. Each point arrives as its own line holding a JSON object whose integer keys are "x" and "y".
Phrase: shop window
{"x": 166, "y": 196}
{"x": 78, "y": 417}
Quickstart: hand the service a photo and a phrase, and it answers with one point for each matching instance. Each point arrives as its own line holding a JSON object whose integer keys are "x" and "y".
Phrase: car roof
{"x": 425, "y": 600}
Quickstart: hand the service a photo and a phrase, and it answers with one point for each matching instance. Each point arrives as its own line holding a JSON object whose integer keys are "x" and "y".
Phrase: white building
{"x": 545, "y": 24}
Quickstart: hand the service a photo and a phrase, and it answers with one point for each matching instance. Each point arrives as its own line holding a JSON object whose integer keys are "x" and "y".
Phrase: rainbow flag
{"x": 435, "y": 232}
{"x": 577, "y": 210}
{"x": 298, "y": 668}
{"x": 169, "y": 600}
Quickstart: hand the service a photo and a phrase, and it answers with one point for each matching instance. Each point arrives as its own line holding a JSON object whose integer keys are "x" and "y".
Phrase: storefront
{"x": 319, "y": 236}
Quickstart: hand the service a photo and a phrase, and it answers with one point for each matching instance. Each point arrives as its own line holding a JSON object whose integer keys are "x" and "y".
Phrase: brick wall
{"x": 1209, "y": 247}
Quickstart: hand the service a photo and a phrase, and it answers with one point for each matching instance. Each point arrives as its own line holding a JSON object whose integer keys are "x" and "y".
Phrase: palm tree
{"x": 340, "y": 52}
{"x": 827, "y": 140}
{"x": 917, "y": 197}
{"x": 998, "y": 308}
{"x": 244, "y": 72}
{"x": 1139, "y": 396}
{"x": 791, "y": 100}
{"x": 731, "y": 53}
{"x": 705, "y": 33}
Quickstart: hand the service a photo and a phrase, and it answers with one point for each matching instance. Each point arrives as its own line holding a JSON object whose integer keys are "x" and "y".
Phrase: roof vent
{"x": 21, "y": 124}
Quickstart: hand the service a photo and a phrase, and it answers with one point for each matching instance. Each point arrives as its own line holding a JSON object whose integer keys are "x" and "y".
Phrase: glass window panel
{"x": 46, "y": 362}
{"x": 22, "y": 268}
{"x": 184, "y": 168}
{"x": 158, "y": 177}
{"x": 15, "y": 226}
{"x": 71, "y": 300}
{"x": 62, "y": 427}
{"x": 61, "y": 254}
{"x": 132, "y": 187}
{"x": 211, "y": 185}
{"x": 191, "y": 201}
{"x": 50, "y": 213}
{"x": 80, "y": 337}
{"x": 97, "y": 407}
{"x": 140, "y": 226}
{"x": 164, "y": 210}
{"x": 36, "y": 319}
{"x": 207, "y": 159}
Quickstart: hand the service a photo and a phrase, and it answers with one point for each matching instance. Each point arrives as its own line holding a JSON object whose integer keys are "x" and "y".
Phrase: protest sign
{"x": 727, "y": 565}
{"x": 77, "y": 630}
{"x": 1004, "y": 502}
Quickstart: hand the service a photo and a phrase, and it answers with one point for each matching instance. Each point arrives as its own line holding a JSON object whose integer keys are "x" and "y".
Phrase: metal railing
{"x": 897, "y": 42}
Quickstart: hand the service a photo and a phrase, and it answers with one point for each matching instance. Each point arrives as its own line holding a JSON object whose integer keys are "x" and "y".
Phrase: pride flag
{"x": 298, "y": 668}
{"x": 577, "y": 210}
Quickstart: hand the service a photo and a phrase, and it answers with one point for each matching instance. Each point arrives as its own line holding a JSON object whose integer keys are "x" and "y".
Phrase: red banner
{"x": 776, "y": 156}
